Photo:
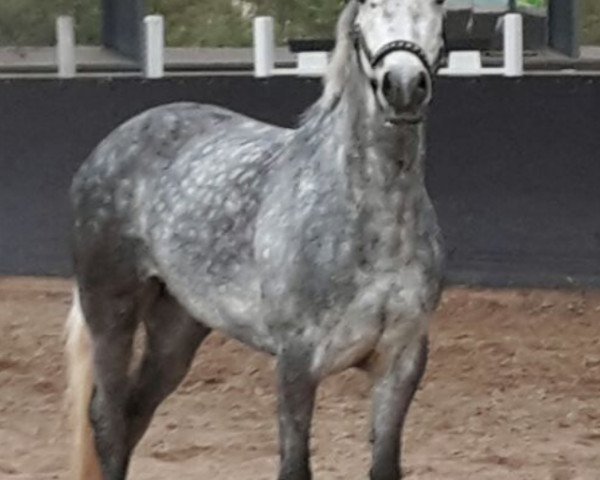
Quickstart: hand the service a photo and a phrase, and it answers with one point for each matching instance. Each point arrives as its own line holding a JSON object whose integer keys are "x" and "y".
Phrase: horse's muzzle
{"x": 406, "y": 89}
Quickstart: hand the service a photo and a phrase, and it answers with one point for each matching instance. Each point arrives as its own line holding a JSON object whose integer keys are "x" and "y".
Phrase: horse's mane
{"x": 338, "y": 70}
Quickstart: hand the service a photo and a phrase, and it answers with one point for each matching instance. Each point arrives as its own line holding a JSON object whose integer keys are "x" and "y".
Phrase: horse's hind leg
{"x": 172, "y": 338}
{"x": 399, "y": 377}
{"x": 121, "y": 406}
{"x": 112, "y": 323}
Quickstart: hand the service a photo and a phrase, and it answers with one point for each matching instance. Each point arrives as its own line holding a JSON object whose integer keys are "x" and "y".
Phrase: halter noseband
{"x": 374, "y": 59}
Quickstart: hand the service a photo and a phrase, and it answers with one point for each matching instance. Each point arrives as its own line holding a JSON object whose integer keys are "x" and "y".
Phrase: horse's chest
{"x": 385, "y": 305}
{"x": 397, "y": 285}
{"x": 403, "y": 245}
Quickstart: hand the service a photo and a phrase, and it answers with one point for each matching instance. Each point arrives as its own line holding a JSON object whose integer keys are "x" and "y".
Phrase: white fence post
{"x": 469, "y": 63}
{"x": 65, "y": 47}
{"x": 264, "y": 46}
{"x": 513, "y": 45}
{"x": 154, "y": 46}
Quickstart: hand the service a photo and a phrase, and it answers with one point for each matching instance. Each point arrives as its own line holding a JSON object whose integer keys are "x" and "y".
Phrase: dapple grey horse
{"x": 318, "y": 245}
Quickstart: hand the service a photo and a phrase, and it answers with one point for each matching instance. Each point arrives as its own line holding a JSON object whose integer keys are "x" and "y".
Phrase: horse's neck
{"x": 378, "y": 159}
{"x": 351, "y": 137}
{"x": 383, "y": 169}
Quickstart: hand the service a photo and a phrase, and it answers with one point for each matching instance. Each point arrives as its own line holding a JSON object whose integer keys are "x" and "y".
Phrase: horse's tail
{"x": 85, "y": 464}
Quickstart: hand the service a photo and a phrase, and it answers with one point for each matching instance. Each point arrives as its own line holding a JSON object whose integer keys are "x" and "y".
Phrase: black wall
{"x": 513, "y": 165}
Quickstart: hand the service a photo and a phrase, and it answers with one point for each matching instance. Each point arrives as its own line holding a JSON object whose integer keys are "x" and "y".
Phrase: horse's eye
{"x": 440, "y": 2}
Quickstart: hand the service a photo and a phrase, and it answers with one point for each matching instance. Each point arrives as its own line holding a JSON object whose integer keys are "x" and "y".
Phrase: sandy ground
{"x": 512, "y": 392}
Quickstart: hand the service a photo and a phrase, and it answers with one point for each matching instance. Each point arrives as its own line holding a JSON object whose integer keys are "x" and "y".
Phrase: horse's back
{"x": 153, "y": 140}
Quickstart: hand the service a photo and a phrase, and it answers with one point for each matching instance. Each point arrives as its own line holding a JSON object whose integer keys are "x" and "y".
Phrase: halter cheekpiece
{"x": 374, "y": 59}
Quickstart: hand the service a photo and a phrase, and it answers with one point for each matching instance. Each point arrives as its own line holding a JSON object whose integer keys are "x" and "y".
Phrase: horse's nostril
{"x": 421, "y": 90}
{"x": 422, "y": 82}
{"x": 373, "y": 85}
{"x": 386, "y": 85}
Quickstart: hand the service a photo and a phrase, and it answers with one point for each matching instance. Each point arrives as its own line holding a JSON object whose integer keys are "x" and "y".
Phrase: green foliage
{"x": 31, "y": 22}
{"x": 532, "y": 3}
{"x": 220, "y": 23}
{"x": 304, "y": 18}
{"x": 214, "y": 23}
{"x": 203, "y": 22}
{"x": 591, "y": 22}
{"x": 189, "y": 22}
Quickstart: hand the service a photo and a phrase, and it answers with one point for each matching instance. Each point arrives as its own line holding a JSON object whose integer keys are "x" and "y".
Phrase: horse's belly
{"x": 234, "y": 309}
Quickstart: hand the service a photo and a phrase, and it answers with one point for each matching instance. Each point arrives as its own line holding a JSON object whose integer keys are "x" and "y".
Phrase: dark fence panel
{"x": 514, "y": 169}
{"x": 122, "y": 26}
{"x": 513, "y": 166}
{"x": 564, "y": 22}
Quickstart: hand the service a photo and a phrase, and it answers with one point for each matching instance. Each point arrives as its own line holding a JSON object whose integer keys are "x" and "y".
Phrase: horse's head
{"x": 399, "y": 44}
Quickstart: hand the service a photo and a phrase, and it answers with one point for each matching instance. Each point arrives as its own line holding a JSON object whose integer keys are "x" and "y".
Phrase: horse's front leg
{"x": 399, "y": 372}
{"x": 297, "y": 388}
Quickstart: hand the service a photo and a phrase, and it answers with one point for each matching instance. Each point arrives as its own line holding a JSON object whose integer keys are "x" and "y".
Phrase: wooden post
{"x": 264, "y": 46}
{"x": 65, "y": 47}
{"x": 513, "y": 45}
{"x": 154, "y": 58}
